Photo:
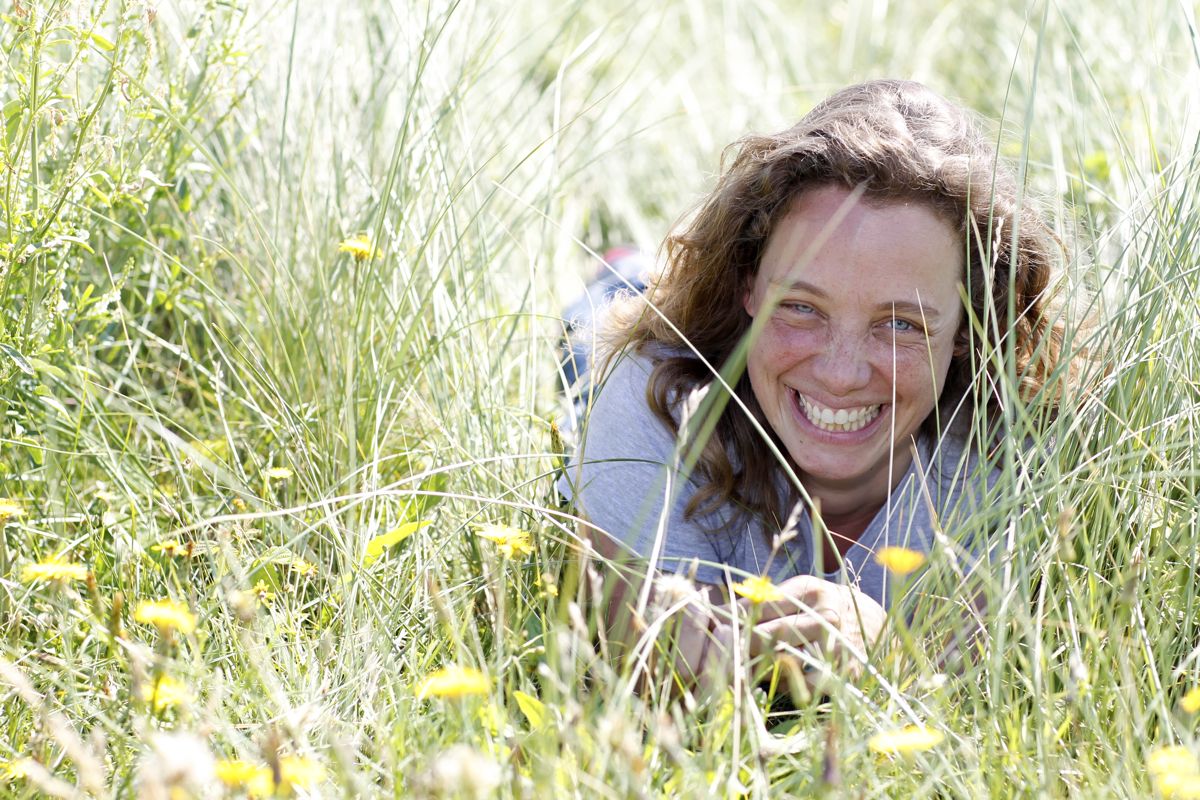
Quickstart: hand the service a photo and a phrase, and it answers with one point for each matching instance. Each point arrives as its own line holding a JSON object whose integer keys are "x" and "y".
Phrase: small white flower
{"x": 675, "y": 589}
{"x": 463, "y": 770}
{"x": 175, "y": 762}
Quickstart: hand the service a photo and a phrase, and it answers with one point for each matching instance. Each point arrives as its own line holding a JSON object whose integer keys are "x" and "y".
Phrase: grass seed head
{"x": 175, "y": 765}
{"x": 463, "y": 771}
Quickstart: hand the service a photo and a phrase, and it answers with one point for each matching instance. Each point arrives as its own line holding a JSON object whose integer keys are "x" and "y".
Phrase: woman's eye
{"x": 901, "y": 325}
{"x": 799, "y": 308}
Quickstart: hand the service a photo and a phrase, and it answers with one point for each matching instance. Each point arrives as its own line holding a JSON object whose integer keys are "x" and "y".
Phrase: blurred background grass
{"x": 178, "y": 321}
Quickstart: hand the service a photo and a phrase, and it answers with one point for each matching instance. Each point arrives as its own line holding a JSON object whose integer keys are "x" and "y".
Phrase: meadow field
{"x": 280, "y": 297}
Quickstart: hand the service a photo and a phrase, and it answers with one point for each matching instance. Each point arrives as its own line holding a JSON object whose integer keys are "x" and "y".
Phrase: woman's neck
{"x": 846, "y": 509}
{"x": 841, "y": 533}
{"x": 846, "y": 504}
{"x": 851, "y": 525}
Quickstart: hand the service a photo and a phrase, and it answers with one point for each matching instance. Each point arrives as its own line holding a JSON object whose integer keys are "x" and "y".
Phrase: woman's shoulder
{"x": 624, "y": 369}
{"x": 624, "y": 424}
{"x": 627, "y": 374}
{"x": 958, "y": 473}
{"x": 618, "y": 396}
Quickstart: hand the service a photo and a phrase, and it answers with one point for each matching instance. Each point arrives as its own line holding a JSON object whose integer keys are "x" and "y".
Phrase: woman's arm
{"x": 835, "y": 624}
{"x": 702, "y": 634}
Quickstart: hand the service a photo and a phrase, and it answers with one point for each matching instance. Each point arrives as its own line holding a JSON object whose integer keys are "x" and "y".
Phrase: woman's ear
{"x": 748, "y": 302}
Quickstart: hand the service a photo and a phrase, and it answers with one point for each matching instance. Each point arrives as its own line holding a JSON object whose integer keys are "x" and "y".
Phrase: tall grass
{"x": 178, "y": 322}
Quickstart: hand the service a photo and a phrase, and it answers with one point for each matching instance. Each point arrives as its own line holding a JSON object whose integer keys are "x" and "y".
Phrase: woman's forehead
{"x": 826, "y": 194}
{"x": 831, "y": 238}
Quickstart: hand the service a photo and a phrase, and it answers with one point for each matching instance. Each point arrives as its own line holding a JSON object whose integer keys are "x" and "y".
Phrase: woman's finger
{"x": 800, "y": 594}
{"x": 805, "y": 630}
{"x": 805, "y": 650}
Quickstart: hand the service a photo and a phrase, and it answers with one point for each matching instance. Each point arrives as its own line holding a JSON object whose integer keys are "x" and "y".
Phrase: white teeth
{"x": 841, "y": 421}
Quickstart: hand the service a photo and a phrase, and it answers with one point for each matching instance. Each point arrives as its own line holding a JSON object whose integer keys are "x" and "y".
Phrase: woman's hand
{"x": 835, "y": 623}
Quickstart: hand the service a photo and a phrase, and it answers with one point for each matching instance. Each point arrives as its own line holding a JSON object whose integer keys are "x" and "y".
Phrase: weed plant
{"x": 279, "y": 302}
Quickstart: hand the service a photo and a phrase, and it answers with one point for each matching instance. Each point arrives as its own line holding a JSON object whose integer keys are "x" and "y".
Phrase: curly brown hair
{"x": 895, "y": 141}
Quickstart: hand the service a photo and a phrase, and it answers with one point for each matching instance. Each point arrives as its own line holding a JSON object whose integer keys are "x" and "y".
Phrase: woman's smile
{"x": 841, "y": 420}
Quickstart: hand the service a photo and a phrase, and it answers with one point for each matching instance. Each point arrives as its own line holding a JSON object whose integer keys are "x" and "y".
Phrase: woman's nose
{"x": 845, "y": 366}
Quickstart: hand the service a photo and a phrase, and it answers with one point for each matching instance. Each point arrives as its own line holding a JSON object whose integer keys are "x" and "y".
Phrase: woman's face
{"x": 855, "y": 352}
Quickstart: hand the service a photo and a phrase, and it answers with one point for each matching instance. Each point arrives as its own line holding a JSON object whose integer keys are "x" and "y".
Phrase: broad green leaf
{"x": 102, "y": 43}
{"x": 376, "y": 546}
{"x": 18, "y": 359}
{"x": 42, "y": 366}
{"x": 533, "y": 709}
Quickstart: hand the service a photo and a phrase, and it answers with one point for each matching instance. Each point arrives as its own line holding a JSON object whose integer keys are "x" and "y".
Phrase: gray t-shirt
{"x": 626, "y": 471}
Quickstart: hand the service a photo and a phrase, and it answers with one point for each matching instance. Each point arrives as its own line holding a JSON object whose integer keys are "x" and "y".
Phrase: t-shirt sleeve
{"x": 624, "y": 479}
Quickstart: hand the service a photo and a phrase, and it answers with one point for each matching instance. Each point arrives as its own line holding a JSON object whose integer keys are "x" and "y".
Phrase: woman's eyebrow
{"x": 803, "y": 286}
{"x": 929, "y": 313}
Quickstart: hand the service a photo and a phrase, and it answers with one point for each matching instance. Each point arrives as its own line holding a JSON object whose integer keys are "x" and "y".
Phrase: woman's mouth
{"x": 842, "y": 420}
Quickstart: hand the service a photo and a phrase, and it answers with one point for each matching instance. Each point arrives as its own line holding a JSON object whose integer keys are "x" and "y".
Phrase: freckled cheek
{"x": 912, "y": 367}
{"x": 782, "y": 346}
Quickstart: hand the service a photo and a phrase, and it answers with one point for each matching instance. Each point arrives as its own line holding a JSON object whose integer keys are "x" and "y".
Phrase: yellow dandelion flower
{"x": 261, "y": 784}
{"x": 263, "y": 592}
{"x": 510, "y": 542}
{"x": 172, "y": 548}
{"x": 166, "y": 693}
{"x": 300, "y": 772}
{"x": 900, "y": 560}
{"x": 295, "y": 772}
{"x": 16, "y": 769}
{"x": 759, "y": 589}
{"x": 358, "y": 246}
{"x": 304, "y": 569}
{"x": 909, "y": 739}
{"x": 454, "y": 682}
{"x": 53, "y": 570}
{"x": 236, "y": 773}
{"x": 166, "y": 615}
{"x": 1178, "y": 785}
{"x": 1174, "y": 759}
{"x": 1190, "y": 702}
{"x": 277, "y": 473}
{"x": 1175, "y": 772}
{"x": 545, "y": 582}
{"x": 10, "y": 509}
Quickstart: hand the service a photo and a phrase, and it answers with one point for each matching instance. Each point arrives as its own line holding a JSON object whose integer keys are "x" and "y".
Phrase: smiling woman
{"x": 854, "y": 354}
{"x": 796, "y": 391}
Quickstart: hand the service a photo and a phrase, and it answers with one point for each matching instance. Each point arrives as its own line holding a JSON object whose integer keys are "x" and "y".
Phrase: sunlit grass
{"x": 279, "y": 293}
